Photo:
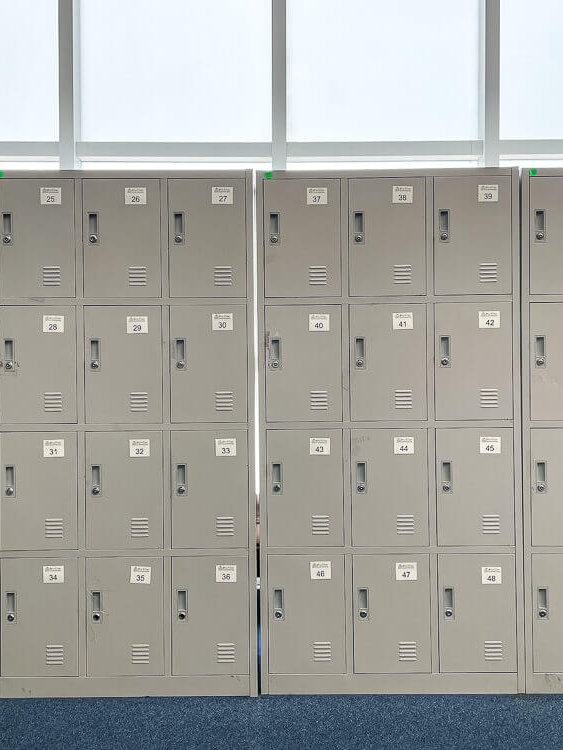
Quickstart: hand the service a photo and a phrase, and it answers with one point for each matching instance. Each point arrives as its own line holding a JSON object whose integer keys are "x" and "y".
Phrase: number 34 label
{"x": 53, "y": 574}
{"x": 140, "y": 574}
{"x": 491, "y": 575}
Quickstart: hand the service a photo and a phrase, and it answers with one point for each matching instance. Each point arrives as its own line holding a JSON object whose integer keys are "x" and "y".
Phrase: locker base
{"x": 549, "y": 682}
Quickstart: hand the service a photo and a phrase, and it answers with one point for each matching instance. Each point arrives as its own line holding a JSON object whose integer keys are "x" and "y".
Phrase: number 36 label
{"x": 225, "y": 574}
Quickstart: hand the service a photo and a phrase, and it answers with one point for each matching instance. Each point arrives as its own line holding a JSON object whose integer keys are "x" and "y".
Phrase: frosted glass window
{"x": 374, "y": 70}
{"x": 176, "y": 70}
{"x": 29, "y": 70}
{"x": 531, "y": 69}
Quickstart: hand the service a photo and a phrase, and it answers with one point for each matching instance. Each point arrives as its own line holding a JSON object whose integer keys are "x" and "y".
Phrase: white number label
{"x": 50, "y": 196}
{"x": 53, "y": 324}
{"x": 491, "y": 575}
{"x": 319, "y": 446}
{"x": 403, "y": 321}
{"x": 321, "y": 570}
{"x": 403, "y": 446}
{"x": 135, "y": 196}
{"x": 403, "y": 193}
{"x": 490, "y": 445}
{"x": 489, "y": 318}
{"x": 317, "y": 196}
{"x": 225, "y": 574}
{"x": 53, "y": 448}
{"x": 139, "y": 448}
{"x": 140, "y": 574}
{"x": 222, "y": 321}
{"x": 53, "y": 574}
{"x": 406, "y": 571}
{"x": 222, "y": 196}
{"x": 225, "y": 446}
{"x": 137, "y": 324}
{"x": 319, "y": 322}
{"x": 487, "y": 193}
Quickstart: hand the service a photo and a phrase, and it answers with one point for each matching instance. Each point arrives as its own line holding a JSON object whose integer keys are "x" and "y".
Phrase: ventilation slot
{"x": 493, "y": 651}
{"x": 402, "y": 274}
{"x": 51, "y": 275}
{"x": 54, "y": 655}
{"x": 225, "y": 653}
{"x": 322, "y": 651}
{"x": 138, "y": 401}
{"x": 140, "y": 653}
{"x": 407, "y": 651}
{"x": 320, "y": 525}
{"x": 318, "y": 275}
{"x": 137, "y": 275}
{"x": 223, "y": 275}
{"x": 405, "y": 524}
{"x": 224, "y": 400}
{"x": 490, "y": 524}
{"x": 53, "y": 402}
{"x": 139, "y": 528}
{"x": 403, "y": 399}
{"x": 489, "y": 398}
{"x": 488, "y": 273}
{"x": 225, "y": 526}
{"x": 53, "y": 528}
{"x": 319, "y": 400}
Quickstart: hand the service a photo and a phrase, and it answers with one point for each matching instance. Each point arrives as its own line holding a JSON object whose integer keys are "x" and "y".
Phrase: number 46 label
{"x": 321, "y": 570}
{"x": 491, "y": 575}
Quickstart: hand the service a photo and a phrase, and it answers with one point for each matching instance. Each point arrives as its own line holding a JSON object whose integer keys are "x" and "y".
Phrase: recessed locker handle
{"x": 7, "y": 228}
{"x": 274, "y": 355}
{"x": 543, "y": 609}
{"x": 95, "y": 354}
{"x": 96, "y": 482}
{"x": 361, "y": 476}
{"x": 445, "y": 351}
{"x": 541, "y": 476}
{"x": 10, "y": 481}
{"x": 446, "y": 476}
{"x": 274, "y": 228}
{"x": 539, "y": 224}
{"x": 180, "y": 353}
{"x": 179, "y": 228}
{"x": 363, "y": 604}
{"x": 279, "y": 613}
{"x": 449, "y": 605}
{"x": 11, "y": 609}
{"x": 9, "y": 355}
{"x": 359, "y": 353}
{"x": 182, "y": 604}
{"x": 96, "y": 606}
{"x": 181, "y": 480}
{"x": 359, "y": 227}
{"x": 540, "y": 351}
{"x": 93, "y": 228}
{"x": 277, "y": 479}
{"x": 444, "y": 224}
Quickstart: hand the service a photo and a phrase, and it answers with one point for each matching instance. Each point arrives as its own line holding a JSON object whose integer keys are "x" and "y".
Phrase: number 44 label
{"x": 491, "y": 575}
{"x": 406, "y": 571}
{"x": 403, "y": 446}
{"x": 321, "y": 570}
{"x": 489, "y": 318}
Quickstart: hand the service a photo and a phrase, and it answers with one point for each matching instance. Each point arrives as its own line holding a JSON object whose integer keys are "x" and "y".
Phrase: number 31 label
{"x": 53, "y": 448}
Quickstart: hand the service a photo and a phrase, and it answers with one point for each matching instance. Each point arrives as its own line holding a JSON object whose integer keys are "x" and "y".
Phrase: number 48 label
{"x": 491, "y": 575}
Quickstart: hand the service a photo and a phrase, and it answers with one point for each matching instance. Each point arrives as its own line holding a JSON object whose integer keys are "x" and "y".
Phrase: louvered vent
{"x": 407, "y": 651}
{"x": 139, "y": 528}
{"x": 402, "y": 273}
{"x": 54, "y": 528}
{"x": 224, "y": 400}
{"x": 322, "y": 651}
{"x": 223, "y": 276}
{"x": 225, "y": 526}
{"x": 320, "y": 525}
{"x": 318, "y": 275}
{"x": 490, "y": 523}
{"x": 493, "y": 651}
{"x": 51, "y": 275}
{"x": 488, "y": 273}
{"x": 405, "y": 524}
{"x": 318, "y": 400}
{"x": 53, "y": 402}
{"x": 54, "y": 655}
{"x": 140, "y": 653}
{"x": 489, "y": 398}
{"x": 225, "y": 653}
{"x": 138, "y": 275}
{"x": 403, "y": 399}
{"x": 138, "y": 401}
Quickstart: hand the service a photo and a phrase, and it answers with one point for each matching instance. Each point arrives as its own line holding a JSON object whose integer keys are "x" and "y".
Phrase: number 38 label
{"x": 403, "y": 193}
{"x": 491, "y": 575}
{"x": 225, "y": 574}
{"x": 321, "y": 570}
{"x": 140, "y": 574}
{"x": 489, "y": 318}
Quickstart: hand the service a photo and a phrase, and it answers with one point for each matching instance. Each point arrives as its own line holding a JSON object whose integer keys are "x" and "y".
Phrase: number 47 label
{"x": 406, "y": 571}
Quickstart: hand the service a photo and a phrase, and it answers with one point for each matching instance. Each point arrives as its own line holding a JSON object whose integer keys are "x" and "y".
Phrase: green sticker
{"x": 533, "y": 171}
{"x": 268, "y": 175}
{"x": 1, "y": 174}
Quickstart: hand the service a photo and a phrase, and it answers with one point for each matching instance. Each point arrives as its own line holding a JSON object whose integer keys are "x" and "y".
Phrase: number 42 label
{"x": 489, "y": 318}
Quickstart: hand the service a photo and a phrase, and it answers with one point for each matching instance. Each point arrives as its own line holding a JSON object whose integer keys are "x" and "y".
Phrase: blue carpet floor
{"x": 394, "y": 722}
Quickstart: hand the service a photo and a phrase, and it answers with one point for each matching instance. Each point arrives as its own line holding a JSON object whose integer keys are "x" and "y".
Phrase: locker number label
{"x": 319, "y": 446}
{"x": 406, "y": 571}
{"x": 135, "y": 196}
{"x": 53, "y": 574}
{"x": 490, "y": 445}
{"x": 489, "y": 318}
{"x": 137, "y": 324}
{"x": 403, "y": 446}
{"x": 222, "y": 196}
{"x": 140, "y": 574}
{"x": 225, "y": 446}
{"x": 225, "y": 574}
{"x": 403, "y": 193}
{"x": 319, "y": 322}
{"x": 491, "y": 575}
{"x": 53, "y": 448}
{"x": 403, "y": 321}
{"x": 50, "y": 196}
{"x": 139, "y": 448}
{"x": 487, "y": 193}
{"x": 321, "y": 570}
{"x": 222, "y": 321}
{"x": 53, "y": 324}
{"x": 317, "y": 196}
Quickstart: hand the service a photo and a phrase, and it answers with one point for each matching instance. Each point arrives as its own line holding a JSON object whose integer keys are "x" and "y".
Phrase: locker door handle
{"x": 541, "y": 476}
{"x": 543, "y": 607}
{"x": 275, "y": 354}
{"x": 540, "y": 354}
{"x": 7, "y": 228}
{"x": 95, "y": 355}
{"x": 9, "y": 355}
{"x": 179, "y": 228}
{"x": 445, "y": 351}
{"x": 182, "y": 604}
{"x": 359, "y": 227}
{"x": 96, "y": 483}
{"x": 279, "y": 612}
{"x": 446, "y": 477}
{"x": 274, "y": 229}
{"x": 180, "y": 354}
{"x": 444, "y": 224}
{"x": 361, "y": 477}
{"x": 277, "y": 480}
{"x": 540, "y": 224}
{"x": 10, "y": 482}
{"x": 360, "y": 353}
{"x": 181, "y": 477}
{"x": 449, "y": 604}
{"x": 363, "y": 604}
{"x": 96, "y": 606}
{"x": 93, "y": 228}
{"x": 11, "y": 609}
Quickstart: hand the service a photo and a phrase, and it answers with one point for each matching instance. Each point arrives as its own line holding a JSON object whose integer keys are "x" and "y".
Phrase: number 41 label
{"x": 406, "y": 571}
{"x": 403, "y": 321}
{"x": 489, "y": 318}
{"x": 321, "y": 570}
{"x": 491, "y": 575}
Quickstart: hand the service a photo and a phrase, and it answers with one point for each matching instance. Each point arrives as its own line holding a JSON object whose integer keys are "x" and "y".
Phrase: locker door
{"x": 303, "y": 363}
{"x": 210, "y": 485}
{"x": 210, "y": 615}
{"x": 547, "y": 487}
{"x": 387, "y": 236}
{"x": 124, "y": 490}
{"x": 39, "y": 489}
{"x": 389, "y": 488}
{"x": 472, "y": 235}
{"x": 39, "y": 632}
{"x": 124, "y": 629}
{"x": 391, "y": 596}
{"x": 207, "y": 238}
{"x": 546, "y": 364}
{"x": 38, "y": 360}
{"x": 547, "y": 598}
{"x": 123, "y": 367}
{"x": 302, "y": 237}
{"x": 208, "y": 363}
{"x": 307, "y": 632}
{"x": 37, "y": 258}
{"x": 121, "y": 237}
{"x": 477, "y": 617}
{"x": 475, "y": 486}
{"x": 304, "y": 491}
{"x": 473, "y": 346}
{"x": 546, "y": 230}
{"x": 388, "y": 362}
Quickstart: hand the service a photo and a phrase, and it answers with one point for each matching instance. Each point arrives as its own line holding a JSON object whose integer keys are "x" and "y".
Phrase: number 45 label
{"x": 490, "y": 444}
{"x": 491, "y": 575}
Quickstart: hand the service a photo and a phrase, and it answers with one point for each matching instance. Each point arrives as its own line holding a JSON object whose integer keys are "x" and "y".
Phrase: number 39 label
{"x": 491, "y": 575}
{"x": 321, "y": 570}
{"x": 225, "y": 574}
{"x": 487, "y": 193}
{"x": 140, "y": 574}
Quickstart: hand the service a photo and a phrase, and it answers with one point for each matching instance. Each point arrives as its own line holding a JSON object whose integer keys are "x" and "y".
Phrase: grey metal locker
{"x": 39, "y": 633}
{"x": 37, "y": 238}
{"x": 207, "y": 237}
{"x": 123, "y": 364}
{"x": 124, "y": 611}
{"x": 387, "y": 236}
{"x": 303, "y": 363}
{"x": 306, "y": 614}
{"x": 473, "y": 360}
{"x": 209, "y": 488}
{"x": 208, "y": 363}
{"x": 546, "y": 601}
{"x": 477, "y": 612}
{"x": 389, "y": 488}
{"x": 210, "y": 615}
{"x": 38, "y": 506}
{"x": 475, "y": 486}
{"x": 121, "y": 237}
{"x": 546, "y": 363}
{"x": 302, "y": 237}
{"x": 304, "y": 492}
{"x": 388, "y": 362}
{"x": 472, "y": 235}
{"x": 391, "y": 596}
{"x": 124, "y": 490}
{"x": 38, "y": 364}
{"x": 546, "y": 227}
{"x": 546, "y": 488}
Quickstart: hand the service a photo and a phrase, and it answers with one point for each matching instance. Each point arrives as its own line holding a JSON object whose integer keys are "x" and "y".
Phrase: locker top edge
{"x": 56, "y": 174}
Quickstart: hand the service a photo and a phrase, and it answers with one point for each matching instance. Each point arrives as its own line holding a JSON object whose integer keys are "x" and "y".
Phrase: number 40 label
{"x": 319, "y": 322}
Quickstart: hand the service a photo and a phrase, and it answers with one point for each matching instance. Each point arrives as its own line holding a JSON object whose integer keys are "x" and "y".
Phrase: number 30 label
{"x": 221, "y": 321}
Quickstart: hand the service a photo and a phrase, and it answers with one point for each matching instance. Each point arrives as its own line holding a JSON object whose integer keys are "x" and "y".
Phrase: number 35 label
{"x": 140, "y": 574}
{"x": 489, "y": 318}
{"x": 491, "y": 575}
{"x": 321, "y": 570}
